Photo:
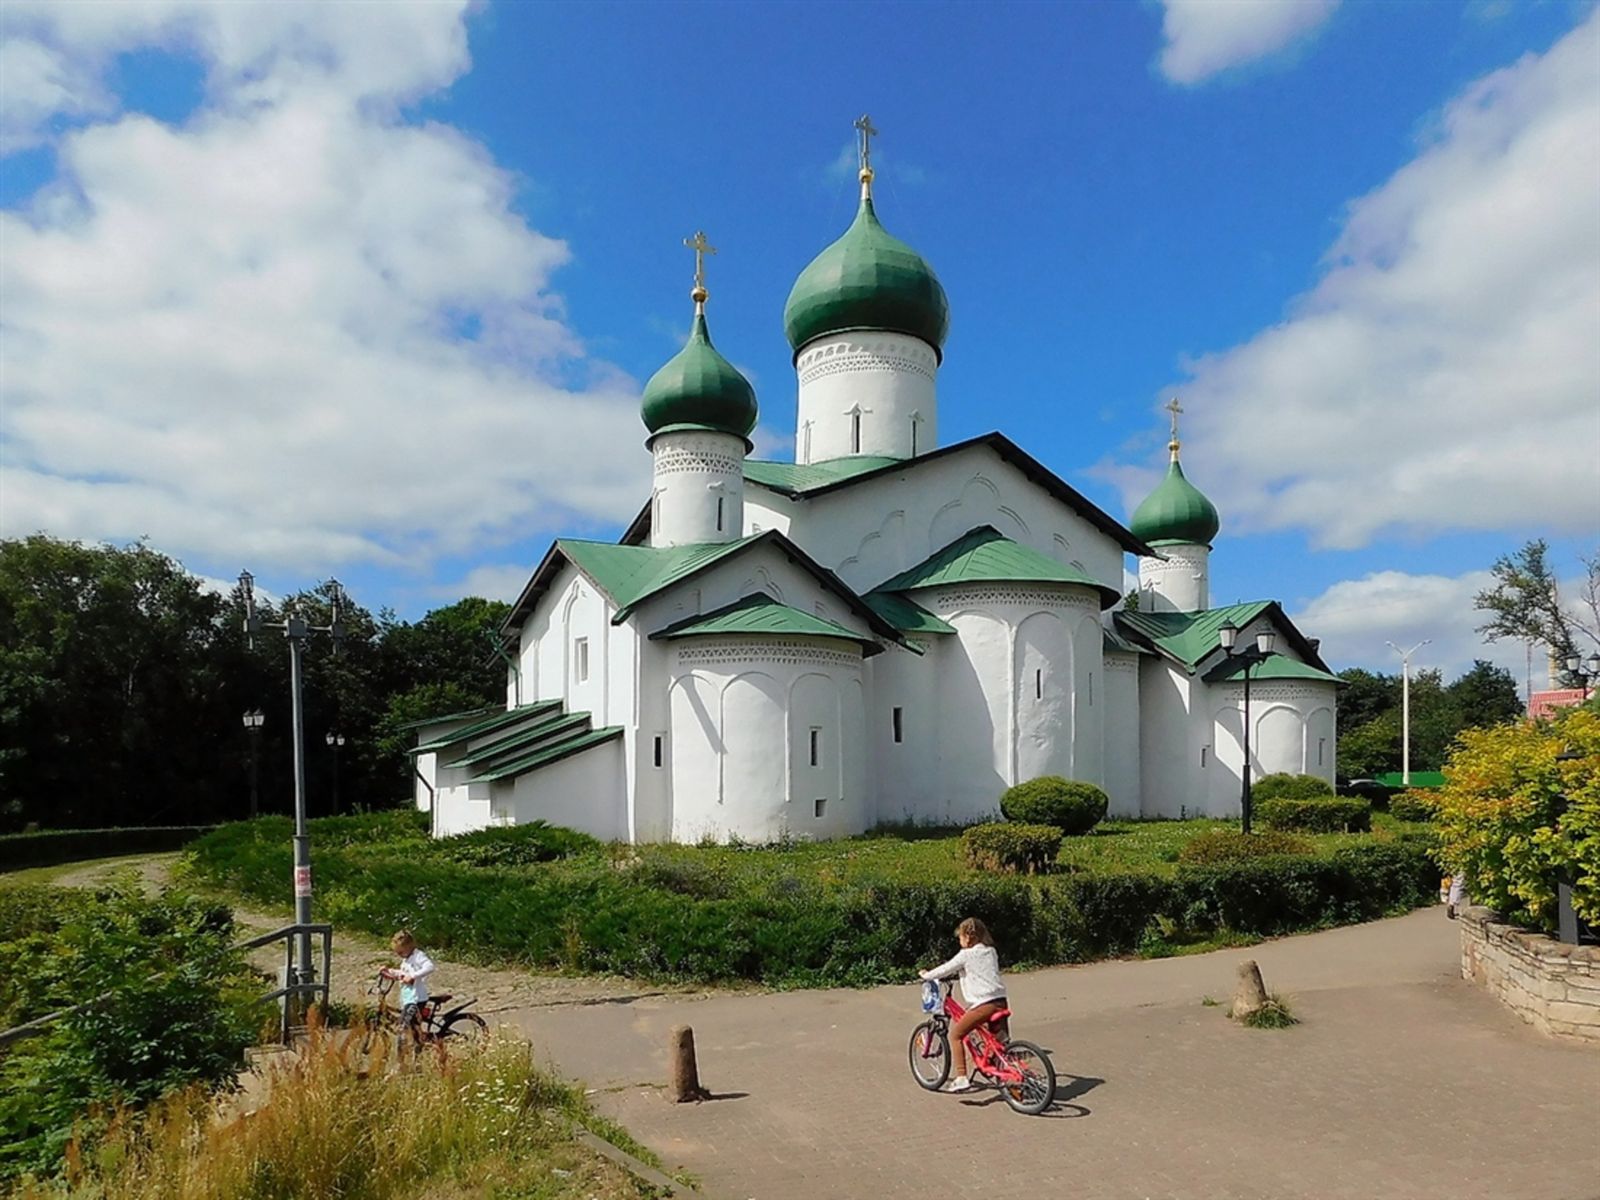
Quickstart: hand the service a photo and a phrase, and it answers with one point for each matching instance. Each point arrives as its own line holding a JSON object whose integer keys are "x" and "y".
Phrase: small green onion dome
{"x": 699, "y": 389}
{"x": 867, "y": 279}
{"x": 1175, "y": 512}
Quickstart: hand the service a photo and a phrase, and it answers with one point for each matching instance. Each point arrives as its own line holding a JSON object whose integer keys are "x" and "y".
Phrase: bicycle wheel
{"x": 929, "y": 1053}
{"x": 464, "y": 1027}
{"x": 1036, "y": 1090}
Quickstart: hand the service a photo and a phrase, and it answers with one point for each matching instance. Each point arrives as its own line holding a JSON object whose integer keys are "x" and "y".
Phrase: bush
{"x": 1515, "y": 816}
{"x": 1229, "y": 845}
{"x": 1327, "y": 814}
{"x": 1368, "y": 789}
{"x": 1284, "y": 786}
{"x": 1070, "y": 806}
{"x": 515, "y": 845}
{"x": 53, "y": 846}
{"x": 1412, "y": 806}
{"x": 1030, "y": 848}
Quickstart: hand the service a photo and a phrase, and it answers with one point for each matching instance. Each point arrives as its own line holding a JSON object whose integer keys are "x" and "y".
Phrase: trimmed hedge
{"x": 1327, "y": 814}
{"x": 1002, "y": 847}
{"x": 1284, "y": 786}
{"x": 593, "y": 913}
{"x": 1230, "y": 845}
{"x": 1412, "y": 806}
{"x": 1070, "y": 806}
{"x": 51, "y": 847}
{"x": 516, "y": 845}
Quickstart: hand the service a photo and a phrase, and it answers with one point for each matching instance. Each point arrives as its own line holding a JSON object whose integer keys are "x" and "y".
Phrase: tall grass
{"x": 332, "y": 1123}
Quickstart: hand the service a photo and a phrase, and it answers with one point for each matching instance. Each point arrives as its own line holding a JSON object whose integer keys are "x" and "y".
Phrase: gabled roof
{"x": 1189, "y": 638}
{"x": 1115, "y": 643}
{"x": 555, "y": 751}
{"x": 985, "y": 555}
{"x": 761, "y": 614}
{"x": 1274, "y": 667}
{"x": 501, "y": 719}
{"x": 905, "y": 614}
{"x": 818, "y": 479}
{"x": 630, "y": 575}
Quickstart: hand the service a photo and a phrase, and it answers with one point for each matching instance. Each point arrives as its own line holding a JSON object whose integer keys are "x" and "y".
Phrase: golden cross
{"x": 1174, "y": 408}
{"x": 701, "y": 248}
{"x": 864, "y": 127}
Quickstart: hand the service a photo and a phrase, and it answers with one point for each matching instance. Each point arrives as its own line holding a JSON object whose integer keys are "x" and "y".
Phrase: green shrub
{"x": 50, "y": 847}
{"x": 1326, "y": 814}
{"x": 1284, "y": 786}
{"x": 515, "y": 845}
{"x": 1001, "y": 847}
{"x": 1229, "y": 845}
{"x": 1412, "y": 806}
{"x": 1070, "y": 806}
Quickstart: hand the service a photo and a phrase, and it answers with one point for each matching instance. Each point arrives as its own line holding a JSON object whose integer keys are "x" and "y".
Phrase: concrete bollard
{"x": 685, "y": 1074}
{"x": 1249, "y": 994}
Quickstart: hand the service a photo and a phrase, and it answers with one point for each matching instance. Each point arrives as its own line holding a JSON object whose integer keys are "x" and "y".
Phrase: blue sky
{"x": 371, "y": 291}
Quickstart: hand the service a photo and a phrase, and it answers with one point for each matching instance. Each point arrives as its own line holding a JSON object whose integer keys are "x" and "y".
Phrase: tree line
{"x": 1369, "y": 713}
{"x": 124, "y": 680}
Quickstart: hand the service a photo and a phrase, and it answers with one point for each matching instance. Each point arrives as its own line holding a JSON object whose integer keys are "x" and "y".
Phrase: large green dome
{"x": 867, "y": 279}
{"x": 1175, "y": 512}
{"x": 699, "y": 389}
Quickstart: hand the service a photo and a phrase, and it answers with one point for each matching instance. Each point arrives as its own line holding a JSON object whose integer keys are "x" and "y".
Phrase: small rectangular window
{"x": 1038, "y": 685}
{"x": 898, "y": 718}
{"x": 1090, "y": 689}
{"x": 1322, "y": 746}
{"x": 816, "y": 746}
{"x": 580, "y": 655}
{"x": 855, "y": 433}
{"x": 913, "y": 437}
{"x": 720, "y": 503}
{"x": 660, "y": 750}
{"x": 1203, "y": 750}
{"x": 818, "y": 807}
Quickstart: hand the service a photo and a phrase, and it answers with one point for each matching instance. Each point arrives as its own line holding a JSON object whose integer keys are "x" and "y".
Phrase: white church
{"x": 886, "y": 629}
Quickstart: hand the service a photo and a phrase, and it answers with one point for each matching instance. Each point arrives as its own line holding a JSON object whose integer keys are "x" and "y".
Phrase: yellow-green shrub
{"x": 1515, "y": 817}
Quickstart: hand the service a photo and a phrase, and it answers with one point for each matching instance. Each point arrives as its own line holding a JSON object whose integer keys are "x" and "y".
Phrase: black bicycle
{"x": 436, "y": 1023}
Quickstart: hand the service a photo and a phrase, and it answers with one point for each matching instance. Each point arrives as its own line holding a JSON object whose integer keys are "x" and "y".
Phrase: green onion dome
{"x": 1175, "y": 512}
{"x": 699, "y": 389}
{"x": 867, "y": 279}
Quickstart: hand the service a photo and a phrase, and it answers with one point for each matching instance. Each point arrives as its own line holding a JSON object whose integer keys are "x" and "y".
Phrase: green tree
{"x": 1485, "y": 695}
{"x": 1526, "y": 603}
{"x": 1371, "y": 749}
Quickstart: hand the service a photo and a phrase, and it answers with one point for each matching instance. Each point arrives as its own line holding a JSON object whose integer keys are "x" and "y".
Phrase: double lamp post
{"x": 1266, "y": 645}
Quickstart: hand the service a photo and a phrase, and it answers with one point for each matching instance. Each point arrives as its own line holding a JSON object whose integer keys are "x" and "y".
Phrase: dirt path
{"x": 357, "y": 956}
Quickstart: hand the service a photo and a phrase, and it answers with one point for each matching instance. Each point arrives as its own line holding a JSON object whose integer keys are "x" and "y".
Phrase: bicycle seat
{"x": 998, "y": 1015}
{"x": 442, "y": 998}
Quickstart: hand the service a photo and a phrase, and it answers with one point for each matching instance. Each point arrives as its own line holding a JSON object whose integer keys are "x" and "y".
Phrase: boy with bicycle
{"x": 413, "y": 972}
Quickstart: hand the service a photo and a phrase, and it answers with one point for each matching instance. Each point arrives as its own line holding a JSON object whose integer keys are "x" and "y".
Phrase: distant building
{"x": 1544, "y": 704}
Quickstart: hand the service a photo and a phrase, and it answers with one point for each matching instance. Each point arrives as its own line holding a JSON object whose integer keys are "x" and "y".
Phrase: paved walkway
{"x": 1402, "y": 1081}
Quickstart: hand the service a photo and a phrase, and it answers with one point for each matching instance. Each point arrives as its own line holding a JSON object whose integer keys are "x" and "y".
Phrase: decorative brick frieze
{"x": 780, "y": 653}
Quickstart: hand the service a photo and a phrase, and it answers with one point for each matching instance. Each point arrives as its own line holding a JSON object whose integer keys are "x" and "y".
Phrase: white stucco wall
{"x": 905, "y": 775}
{"x": 583, "y": 792}
{"x": 1121, "y": 734}
{"x": 1291, "y": 729}
{"x": 1179, "y": 581}
{"x": 1175, "y": 776}
{"x": 866, "y": 393}
{"x": 874, "y": 530}
{"x": 697, "y": 487}
{"x": 552, "y": 662}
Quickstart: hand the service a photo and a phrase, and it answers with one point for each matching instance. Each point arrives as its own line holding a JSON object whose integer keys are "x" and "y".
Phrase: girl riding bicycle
{"x": 985, "y": 992}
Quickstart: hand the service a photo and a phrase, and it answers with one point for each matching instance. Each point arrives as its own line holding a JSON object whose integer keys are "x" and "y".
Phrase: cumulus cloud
{"x": 1202, "y": 38}
{"x": 298, "y": 329}
{"x": 1444, "y": 373}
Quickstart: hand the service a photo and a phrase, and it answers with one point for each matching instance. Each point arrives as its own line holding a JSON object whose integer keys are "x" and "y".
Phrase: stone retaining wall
{"x": 1552, "y": 986}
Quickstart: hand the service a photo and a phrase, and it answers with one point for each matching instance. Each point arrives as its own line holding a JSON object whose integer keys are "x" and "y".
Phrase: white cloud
{"x": 297, "y": 330}
{"x": 1445, "y": 371}
{"x": 1205, "y": 37}
{"x": 492, "y": 581}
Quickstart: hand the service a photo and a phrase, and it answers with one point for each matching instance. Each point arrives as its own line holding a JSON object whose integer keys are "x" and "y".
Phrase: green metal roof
{"x": 1176, "y": 512}
{"x": 1419, "y": 779}
{"x": 985, "y": 555}
{"x": 1274, "y": 667}
{"x": 1115, "y": 643}
{"x": 558, "y": 725}
{"x": 761, "y": 614}
{"x": 482, "y": 710}
{"x": 867, "y": 280}
{"x": 795, "y": 479}
{"x": 905, "y": 614}
{"x": 699, "y": 389}
{"x": 631, "y": 574}
{"x": 500, "y": 720}
{"x": 546, "y": 755}
{"x": 1190, "y": 637}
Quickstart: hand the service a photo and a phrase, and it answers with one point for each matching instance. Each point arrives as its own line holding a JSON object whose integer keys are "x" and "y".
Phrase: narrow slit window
{"x": 898, "y": 721}
{"x": 580, "y": 656}
{"x": 721, "y": 502}
{"x": 660, "y": 749}
{"x": 1203, "y": 750}
{"x": 1322, "y": 747}
{"x": 816, "y": 746}
{"x": 855, "y": 433}
{"x": 1038, "y": 684}
{"x": 818, "y": 807}
{"x": 1090, "y": 689}
{"x": 914, "y": 424}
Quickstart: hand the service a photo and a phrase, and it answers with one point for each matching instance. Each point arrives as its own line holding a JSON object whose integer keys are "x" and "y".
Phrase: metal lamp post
{"x": 334, "y": 741}
{"x": 1266, "y": 645}
{"x": 253, "y": 721}
{"x": 1585, "y": 671}
{"x": 1405, "y": 706}
{"x": 297, "y": 631}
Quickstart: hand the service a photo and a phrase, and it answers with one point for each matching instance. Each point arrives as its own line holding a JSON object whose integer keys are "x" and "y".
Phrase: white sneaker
{"x": 960, "y": 1084}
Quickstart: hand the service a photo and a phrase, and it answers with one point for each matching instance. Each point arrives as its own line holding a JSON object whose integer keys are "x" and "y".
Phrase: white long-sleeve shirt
{"x": 418, "y": 966}
{"x": 979, "y": 968}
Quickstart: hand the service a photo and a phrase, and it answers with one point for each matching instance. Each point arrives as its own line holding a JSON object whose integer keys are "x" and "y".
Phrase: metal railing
{"x": 291, "y": 986}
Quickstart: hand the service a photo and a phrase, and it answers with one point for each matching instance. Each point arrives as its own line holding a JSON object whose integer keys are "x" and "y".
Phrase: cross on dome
{"x": 865, "y": 128}
{"x": 701, "y": 248}
{"x": 1173, "y": 407}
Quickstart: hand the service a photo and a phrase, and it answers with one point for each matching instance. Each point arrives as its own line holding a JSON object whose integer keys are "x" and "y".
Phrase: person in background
{"x": 413, "y": 972}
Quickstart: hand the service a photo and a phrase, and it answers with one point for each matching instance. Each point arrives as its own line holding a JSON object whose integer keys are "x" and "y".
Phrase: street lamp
{"x": 1405, "y": 706}
{"x": 1585, "y": 672}
{"x": 1266, "y": 645}
{"x": 335, "y": 740}
{"x": 253, "y": 721}
{"x": 297, "y": 632}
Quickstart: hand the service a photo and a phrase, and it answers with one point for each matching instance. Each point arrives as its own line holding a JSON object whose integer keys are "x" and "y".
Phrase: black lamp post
{"x": 1266, "y": 644}
{"x": 335, "y": 740}
{"x": 253, "y": 721}
{"x": 1585, "y": 672}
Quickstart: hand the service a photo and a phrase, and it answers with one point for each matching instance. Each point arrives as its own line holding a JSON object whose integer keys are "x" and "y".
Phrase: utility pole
{"x": 297, "y": 631}
{"x": 1405, "y": 706}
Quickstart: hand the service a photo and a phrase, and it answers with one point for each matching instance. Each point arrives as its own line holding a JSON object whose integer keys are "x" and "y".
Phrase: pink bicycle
{"x": 1022, "y": 1071}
